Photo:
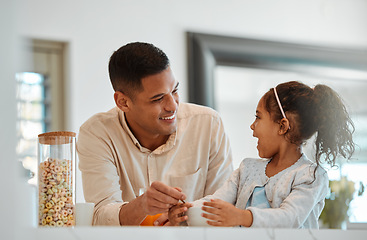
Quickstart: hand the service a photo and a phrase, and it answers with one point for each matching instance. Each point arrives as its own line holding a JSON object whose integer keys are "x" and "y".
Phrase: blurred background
{"x": 54, "y": 57}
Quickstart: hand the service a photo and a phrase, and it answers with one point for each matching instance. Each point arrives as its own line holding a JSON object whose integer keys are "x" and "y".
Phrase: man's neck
{"x": 149, "y": 142}
{"x": 152, "y": 143}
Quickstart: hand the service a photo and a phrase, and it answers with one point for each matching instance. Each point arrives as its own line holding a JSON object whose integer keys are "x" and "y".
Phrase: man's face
{"x": 152, "y": 112}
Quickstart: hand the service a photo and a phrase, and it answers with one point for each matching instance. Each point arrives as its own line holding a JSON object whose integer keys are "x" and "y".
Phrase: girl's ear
{"x": 284, "y": 126}
{"x": 122, "y": 101}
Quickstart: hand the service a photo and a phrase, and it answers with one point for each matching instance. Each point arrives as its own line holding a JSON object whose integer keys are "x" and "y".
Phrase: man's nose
{"x": 171, "y": 103}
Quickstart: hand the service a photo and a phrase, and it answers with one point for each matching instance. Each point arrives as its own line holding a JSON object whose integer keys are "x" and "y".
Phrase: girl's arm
{"x": 227, "y": 192}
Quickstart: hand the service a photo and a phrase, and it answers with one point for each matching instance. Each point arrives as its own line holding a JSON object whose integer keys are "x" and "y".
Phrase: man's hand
{"x": 159, "y": 198}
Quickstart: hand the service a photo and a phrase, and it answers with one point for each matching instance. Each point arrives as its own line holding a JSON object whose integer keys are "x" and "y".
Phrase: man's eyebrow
{"x": 161, "y": 94}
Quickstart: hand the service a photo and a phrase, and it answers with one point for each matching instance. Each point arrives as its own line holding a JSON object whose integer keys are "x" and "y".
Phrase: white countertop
{"x": 190, "y": 233}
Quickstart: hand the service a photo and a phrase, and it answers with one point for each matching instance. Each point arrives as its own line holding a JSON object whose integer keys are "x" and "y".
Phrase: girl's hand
{"x": 176, "y": 214}
{"x": 224, "y": 214}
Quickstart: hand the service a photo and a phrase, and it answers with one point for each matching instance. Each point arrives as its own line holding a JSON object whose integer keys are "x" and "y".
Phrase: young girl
{"x": 283, "y": 188}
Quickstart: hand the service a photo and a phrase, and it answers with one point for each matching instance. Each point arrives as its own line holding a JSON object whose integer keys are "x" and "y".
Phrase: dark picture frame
{"x": 206, "y": 51}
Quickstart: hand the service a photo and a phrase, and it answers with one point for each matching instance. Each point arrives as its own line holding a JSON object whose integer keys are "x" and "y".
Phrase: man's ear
{"x": 122, "y": 101}
{"x": 284, "y": 126}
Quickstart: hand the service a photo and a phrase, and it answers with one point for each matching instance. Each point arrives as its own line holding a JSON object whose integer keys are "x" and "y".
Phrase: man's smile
{"x": 168, "y": 118}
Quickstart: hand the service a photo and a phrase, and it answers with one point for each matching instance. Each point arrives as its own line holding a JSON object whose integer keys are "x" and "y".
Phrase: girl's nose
{"x": 252, "y": 126}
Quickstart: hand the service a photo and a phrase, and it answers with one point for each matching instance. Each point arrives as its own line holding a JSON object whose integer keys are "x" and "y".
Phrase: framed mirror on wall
{"x": 231, "y": 74}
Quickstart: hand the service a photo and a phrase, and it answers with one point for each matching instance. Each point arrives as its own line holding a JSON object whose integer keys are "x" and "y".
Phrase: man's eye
{"x": 257, "y": 117}
{"x": 158, "y": 99}
{"x": 175, "y": 91}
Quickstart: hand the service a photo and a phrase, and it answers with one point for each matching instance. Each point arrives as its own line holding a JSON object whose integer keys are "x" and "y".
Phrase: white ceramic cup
{"x": 84, "y": 214}
{"x": 194, "y": 217}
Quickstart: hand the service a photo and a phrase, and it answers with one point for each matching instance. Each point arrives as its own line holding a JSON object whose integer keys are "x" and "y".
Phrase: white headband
{"x": 279, "y": 104}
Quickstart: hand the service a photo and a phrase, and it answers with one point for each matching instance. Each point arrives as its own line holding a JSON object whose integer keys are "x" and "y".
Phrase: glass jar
{"x": 56, "y": 179}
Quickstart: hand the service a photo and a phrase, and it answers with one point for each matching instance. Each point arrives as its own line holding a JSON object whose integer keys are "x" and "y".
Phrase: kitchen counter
{"x": 190, "y": 233}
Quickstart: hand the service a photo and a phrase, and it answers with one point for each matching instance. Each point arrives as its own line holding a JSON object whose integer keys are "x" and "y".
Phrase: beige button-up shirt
{"x": 114, "y": 166}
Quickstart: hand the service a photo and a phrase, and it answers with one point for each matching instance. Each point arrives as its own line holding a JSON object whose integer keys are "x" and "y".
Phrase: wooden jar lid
{"x": 56, "y": 138}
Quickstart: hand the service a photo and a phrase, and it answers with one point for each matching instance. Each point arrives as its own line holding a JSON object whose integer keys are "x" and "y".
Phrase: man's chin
{"x": 171, "y": 130}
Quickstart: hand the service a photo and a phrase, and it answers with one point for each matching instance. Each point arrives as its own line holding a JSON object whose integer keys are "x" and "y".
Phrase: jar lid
{"x": 55, "y": 138}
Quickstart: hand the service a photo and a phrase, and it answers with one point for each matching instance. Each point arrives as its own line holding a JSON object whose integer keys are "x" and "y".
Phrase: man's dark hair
{"x": 132, "y": 62}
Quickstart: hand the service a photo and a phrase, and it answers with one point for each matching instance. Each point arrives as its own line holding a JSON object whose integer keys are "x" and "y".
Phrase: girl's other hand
{"x": 176, "y": 214}
{"x": 224, "y": 214}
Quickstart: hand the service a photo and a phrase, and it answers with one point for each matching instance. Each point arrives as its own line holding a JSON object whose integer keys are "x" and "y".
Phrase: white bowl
{"x": 195, "y": 218}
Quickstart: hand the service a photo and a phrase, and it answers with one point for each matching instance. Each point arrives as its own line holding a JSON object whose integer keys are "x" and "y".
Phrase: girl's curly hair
{"x": 317, "y": 110}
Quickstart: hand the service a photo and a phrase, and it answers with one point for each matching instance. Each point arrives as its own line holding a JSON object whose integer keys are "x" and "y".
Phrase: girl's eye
{"x": 257, "y": 117}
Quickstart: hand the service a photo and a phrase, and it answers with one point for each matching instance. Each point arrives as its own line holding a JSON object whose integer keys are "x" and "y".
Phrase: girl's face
{"x": 267, "y": 132}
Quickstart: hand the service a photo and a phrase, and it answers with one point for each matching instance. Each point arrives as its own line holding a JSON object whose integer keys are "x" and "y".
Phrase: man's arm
{"x": 101, "y": 185}
{"x": 101, "y": 182}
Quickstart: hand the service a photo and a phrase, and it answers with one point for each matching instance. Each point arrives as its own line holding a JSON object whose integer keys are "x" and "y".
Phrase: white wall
{"x": 94, "y": 29}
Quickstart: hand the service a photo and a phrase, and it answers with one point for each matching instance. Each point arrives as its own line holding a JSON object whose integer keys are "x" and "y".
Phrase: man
{"x": 149, "y": 141}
